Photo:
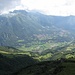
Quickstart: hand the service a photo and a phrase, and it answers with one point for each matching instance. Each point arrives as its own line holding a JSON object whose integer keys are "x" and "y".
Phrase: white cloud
{"x": 52, "y": 7}
{"x": 6, "y": 5}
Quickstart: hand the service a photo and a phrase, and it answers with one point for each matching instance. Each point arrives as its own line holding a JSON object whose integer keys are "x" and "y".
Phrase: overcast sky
{"x": 51, "y": 7}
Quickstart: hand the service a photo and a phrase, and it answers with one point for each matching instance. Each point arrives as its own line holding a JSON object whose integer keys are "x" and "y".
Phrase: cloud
{"x": 52, "y": 7}
{"x": 6, "y": 5}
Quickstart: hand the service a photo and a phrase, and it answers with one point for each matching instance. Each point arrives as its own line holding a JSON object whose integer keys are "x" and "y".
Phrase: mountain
{"x": 32, "y": 43}
{"x": 19, "y": 28}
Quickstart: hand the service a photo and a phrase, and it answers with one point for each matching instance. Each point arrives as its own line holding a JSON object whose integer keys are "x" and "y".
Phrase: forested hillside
{"x": 11, "y": 62}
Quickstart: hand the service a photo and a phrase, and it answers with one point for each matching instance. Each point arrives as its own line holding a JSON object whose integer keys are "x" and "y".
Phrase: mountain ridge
{"x": 27, "y": 26}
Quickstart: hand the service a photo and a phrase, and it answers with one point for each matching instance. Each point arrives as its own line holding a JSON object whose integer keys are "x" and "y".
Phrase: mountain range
{"x": 21, "y": 27}
{"x": 32, "y": 43}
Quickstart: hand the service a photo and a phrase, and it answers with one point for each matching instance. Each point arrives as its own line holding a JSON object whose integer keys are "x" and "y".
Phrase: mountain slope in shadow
{"x": 12, "y": 63}
{"x": 59, "y": 67}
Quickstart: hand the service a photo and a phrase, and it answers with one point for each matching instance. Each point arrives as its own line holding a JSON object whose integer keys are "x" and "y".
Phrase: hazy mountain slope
{"x": 20, "y": 27}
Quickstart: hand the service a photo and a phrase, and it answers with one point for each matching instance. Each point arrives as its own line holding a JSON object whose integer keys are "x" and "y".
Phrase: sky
{"x": 49, "y": 7}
